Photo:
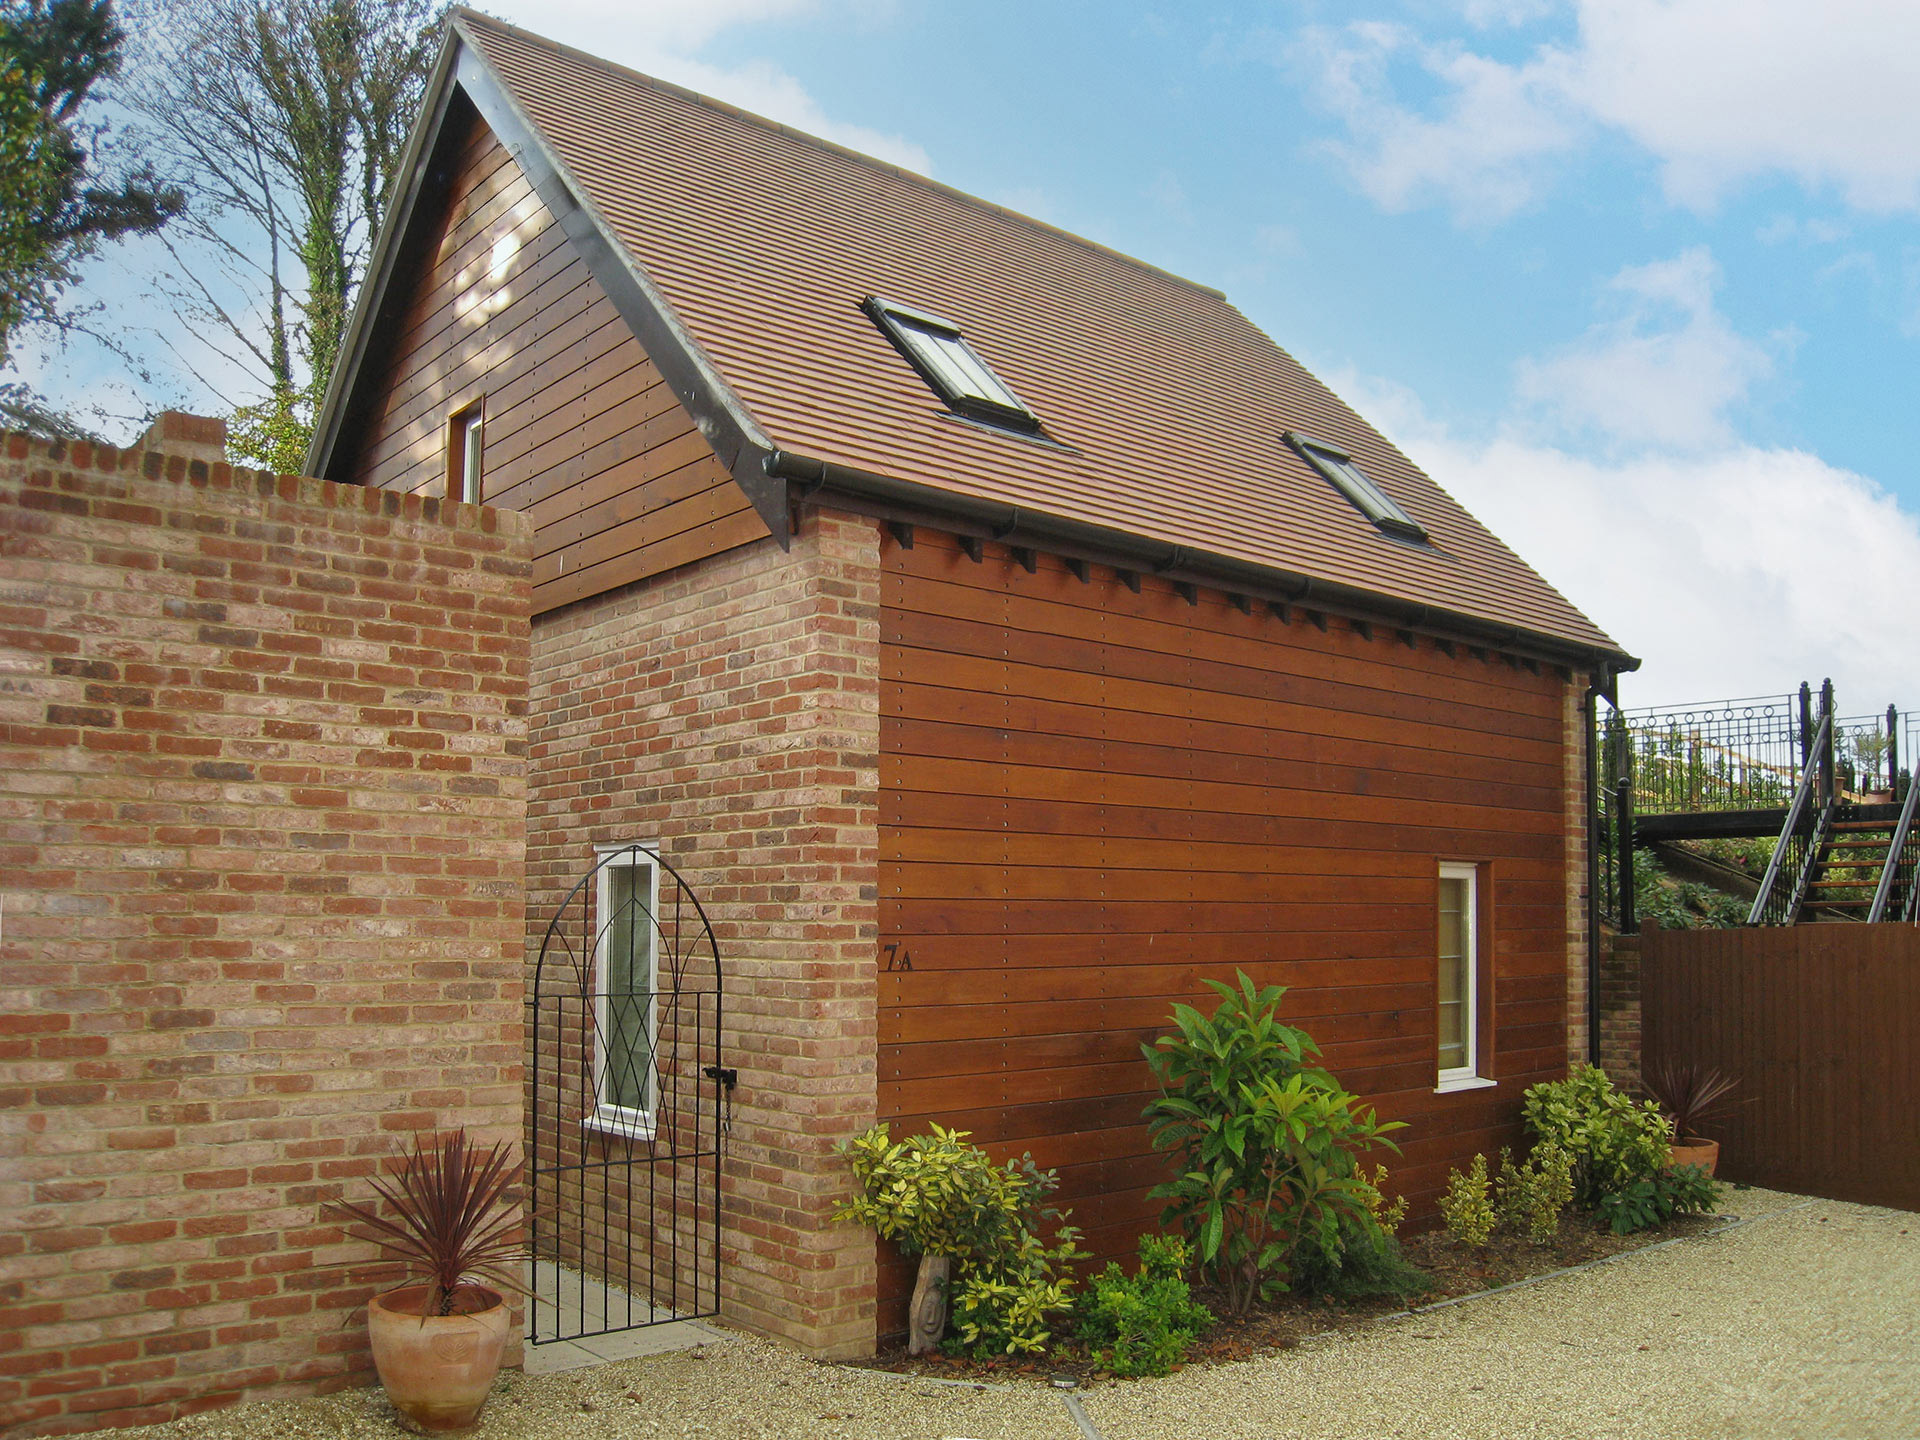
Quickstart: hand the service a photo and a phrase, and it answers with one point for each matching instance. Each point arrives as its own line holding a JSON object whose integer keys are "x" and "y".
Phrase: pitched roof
{"x": 1166, "y": 405}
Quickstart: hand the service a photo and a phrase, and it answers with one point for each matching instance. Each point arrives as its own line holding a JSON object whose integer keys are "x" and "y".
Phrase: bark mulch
{"x": 1452, "y": 1270}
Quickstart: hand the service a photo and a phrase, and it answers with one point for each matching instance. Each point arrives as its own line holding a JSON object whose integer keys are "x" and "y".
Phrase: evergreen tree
{"x": 55, "y": 205}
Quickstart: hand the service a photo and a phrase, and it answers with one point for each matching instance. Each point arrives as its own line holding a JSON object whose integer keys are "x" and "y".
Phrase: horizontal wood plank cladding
{"x": 579, "y": 430}
{"x": 1093, "y": 799}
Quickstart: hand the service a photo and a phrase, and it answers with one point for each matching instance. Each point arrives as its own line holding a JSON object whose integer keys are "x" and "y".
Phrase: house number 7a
{"x": 898, "y": 957}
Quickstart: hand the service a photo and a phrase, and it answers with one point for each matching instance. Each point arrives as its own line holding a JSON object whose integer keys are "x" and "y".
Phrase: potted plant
{"x": 439, "y": 1340}
{"x": 1687, "y": 1094}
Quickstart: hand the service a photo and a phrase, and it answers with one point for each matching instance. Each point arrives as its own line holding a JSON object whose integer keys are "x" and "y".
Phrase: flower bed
{"x": 1452, "y": 1270}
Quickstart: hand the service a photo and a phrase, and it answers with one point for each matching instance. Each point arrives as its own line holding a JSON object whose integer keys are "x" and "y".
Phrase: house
{"x": 996, "y": 634}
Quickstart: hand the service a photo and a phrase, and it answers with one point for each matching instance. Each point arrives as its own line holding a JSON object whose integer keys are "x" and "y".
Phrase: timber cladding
{"x": 1817, "y": 1024}
{"x": 1092, "y": 798}
{"x": 579, "y": 430}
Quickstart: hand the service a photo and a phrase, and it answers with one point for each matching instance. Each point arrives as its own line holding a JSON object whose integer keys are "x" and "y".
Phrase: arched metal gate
{"x": 627, "y": 1105}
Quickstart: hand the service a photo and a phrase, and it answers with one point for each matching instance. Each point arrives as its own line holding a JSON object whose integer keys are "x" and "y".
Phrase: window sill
{"x": 1464, "y": 1082}
{"x": 627, "y": 1124}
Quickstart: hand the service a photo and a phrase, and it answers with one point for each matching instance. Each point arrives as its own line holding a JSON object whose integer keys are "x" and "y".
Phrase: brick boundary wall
{"x": 1574, "y": 762}
{"x": 1620, "y": 1009}
{"x": 262, "y": 817}
{"x": 729, "y": 711}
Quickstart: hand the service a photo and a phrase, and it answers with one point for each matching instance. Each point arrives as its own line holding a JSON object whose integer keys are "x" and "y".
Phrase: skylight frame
{"x": 938, "y": 349}
{"x": 1340, "y": 470}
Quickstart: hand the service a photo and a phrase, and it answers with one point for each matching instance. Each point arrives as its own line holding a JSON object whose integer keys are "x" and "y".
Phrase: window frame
{"x": 466, "y": 452}
{"x": 606, "y": 1117}
{"x": 908, "y": 329}
{"x": 1360, "y": 490}
{"x": 1470, "y": 1076}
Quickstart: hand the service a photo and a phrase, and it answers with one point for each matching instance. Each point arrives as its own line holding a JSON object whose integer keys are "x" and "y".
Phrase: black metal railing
{"x": 1716, "y": 756}
{"x": 1893, "y": 897}
{"x": 1798, "y": 848}
{"x": 1867, "y": 756}
{"x": 1828, "y": 786}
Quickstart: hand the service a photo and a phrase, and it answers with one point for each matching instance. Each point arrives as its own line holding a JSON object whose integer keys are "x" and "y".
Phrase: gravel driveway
{"x": 1801, "y": 1322}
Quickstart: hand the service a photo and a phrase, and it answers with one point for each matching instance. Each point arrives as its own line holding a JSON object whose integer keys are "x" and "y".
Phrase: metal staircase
{"x": 1846, "y": 837}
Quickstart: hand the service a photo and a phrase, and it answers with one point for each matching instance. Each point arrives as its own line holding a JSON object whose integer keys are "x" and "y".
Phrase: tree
{"x": 55, "y": 205}
{"x": 291, "y": 115}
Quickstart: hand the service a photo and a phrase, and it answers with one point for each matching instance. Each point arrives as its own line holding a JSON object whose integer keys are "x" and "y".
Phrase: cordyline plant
{"x": 453, "y": 1222}
{"x": 1688, "y": 1093}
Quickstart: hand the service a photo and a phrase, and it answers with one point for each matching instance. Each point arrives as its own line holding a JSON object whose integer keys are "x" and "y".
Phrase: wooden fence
{"x": 1821, "y": 1023}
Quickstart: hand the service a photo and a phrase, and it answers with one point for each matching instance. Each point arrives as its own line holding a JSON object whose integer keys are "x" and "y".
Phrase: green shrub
{"x": 1466, "y": 1208}
{"x": 1386, "y": 1216}
{"x": 1006, "y": 1304}
{"x": 1144, "y": 1324}
{"x": 936, "y": 1194}
{"x": 1264, "y": 1148}
{"x": 1365, "y": 1260}
{"x": 1654, "y": 1199}
{"x": 1682, "y": 904}
{"x": 1530, "y": 1196}
{"x": 1612, "y": 1140}
{"x": 1369, "y": 1260}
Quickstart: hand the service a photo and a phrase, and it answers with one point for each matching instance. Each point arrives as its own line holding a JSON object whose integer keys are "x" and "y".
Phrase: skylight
{"x": 1351, "y": 481}
{"x": 958, "y": 376}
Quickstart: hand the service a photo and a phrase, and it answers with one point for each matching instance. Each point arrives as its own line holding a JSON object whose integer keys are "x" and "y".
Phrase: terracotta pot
{"x": 1694, "y": 1151}
{"x": 437, "y": 1372}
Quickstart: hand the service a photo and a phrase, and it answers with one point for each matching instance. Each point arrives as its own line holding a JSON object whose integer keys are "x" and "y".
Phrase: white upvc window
{"x": 625, "y": 1016}
{"x": 1459, "y": 979}
{"x": 466, "y": 449}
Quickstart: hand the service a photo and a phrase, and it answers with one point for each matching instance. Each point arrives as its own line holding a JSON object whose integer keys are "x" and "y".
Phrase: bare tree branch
{"x": 290, "y": 116}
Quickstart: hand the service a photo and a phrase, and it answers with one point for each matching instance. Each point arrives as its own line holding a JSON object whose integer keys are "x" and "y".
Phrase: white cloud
{"x": 1489, "y": 13}
{"x": 1719, "y": 92}
{"x": 660, "y": 38}
{"x": 1484, "y": 152}
{"x": 1736, "y": 571}
{"x": 1722, "y": 90}
{"x": 1663, "y": 370}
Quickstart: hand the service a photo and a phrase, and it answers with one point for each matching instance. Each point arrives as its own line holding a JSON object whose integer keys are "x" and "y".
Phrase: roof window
{"x": 958, "y": 376}
{"x": 1351, "y": 481}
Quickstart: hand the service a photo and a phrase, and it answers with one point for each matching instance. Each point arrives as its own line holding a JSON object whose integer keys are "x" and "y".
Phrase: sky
{"x": 1638, "y": 281}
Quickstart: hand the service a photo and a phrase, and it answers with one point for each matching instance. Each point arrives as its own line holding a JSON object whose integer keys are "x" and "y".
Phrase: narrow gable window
{"x": 1460, "y": 985}
{"x": 464, "y": 448}
{"x": 1351, "y": 481}
{"x": 945, "y": 361}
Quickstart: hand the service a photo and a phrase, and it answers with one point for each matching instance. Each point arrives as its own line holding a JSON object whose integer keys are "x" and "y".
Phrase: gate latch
{"x": 728, "y": 1078}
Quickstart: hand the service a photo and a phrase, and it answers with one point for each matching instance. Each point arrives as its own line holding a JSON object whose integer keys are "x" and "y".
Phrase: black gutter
{"x": 939, "y": 508}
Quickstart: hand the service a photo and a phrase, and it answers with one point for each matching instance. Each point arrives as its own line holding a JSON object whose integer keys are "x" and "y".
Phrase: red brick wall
{"x": 262, "y": 794}
{"x": 729, "y": 711}
{"x": 1574, "y": 761}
